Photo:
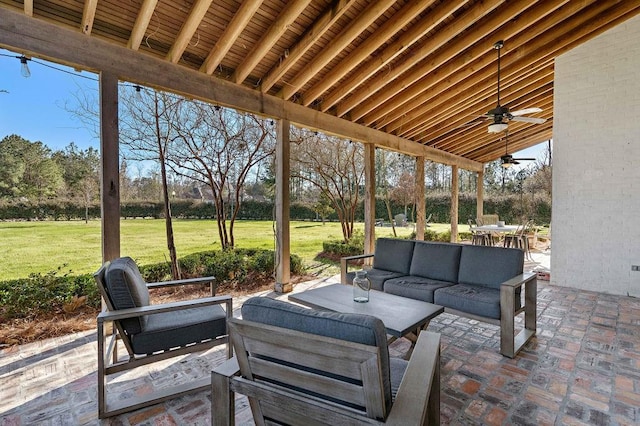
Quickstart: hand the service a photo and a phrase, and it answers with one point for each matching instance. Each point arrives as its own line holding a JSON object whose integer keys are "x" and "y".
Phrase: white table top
{"x": 496, "y": 228}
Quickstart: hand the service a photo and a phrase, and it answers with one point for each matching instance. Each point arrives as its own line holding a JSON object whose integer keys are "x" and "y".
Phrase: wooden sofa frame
{"x": 510, "y": 342}
{"x": 417, "y": 401}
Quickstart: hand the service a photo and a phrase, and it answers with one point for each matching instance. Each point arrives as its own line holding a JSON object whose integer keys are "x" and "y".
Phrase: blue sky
{"x": 34, "y": 108}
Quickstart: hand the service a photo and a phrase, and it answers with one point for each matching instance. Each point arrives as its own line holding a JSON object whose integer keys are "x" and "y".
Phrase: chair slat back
{"x": 322, "y": 374}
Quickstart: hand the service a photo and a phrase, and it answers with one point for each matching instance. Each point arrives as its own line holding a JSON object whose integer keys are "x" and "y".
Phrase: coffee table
{"x": 402, "y": 317}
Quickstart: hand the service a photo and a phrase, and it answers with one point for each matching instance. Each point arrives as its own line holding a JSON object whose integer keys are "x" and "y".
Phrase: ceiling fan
{"x": 501, "y": 114}
{"x": 507, "y": 159}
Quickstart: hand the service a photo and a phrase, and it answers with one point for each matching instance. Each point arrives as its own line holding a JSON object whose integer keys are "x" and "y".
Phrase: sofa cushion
{"x": 364, "y": 329}
{"x": 489, "y": 266}
{"x": 179, "y": 328}
{"x": 393, "y": 255}
{"x": 414, "y": 287}
{"x": 472, "y": 299}
{"x": 127, "y": 289}
{"x": 438, "y": 261}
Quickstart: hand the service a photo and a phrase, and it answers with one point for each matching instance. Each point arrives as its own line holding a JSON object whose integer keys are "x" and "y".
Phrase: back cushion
{"x": 489, "y": 266}
{"x": 127, "y": 289}
{"x": 438, "y": 261}
{"x": 393, "y": 255}
{"x": 364, "y": 329}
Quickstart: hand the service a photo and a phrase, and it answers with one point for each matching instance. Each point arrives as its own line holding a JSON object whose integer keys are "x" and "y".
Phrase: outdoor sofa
{"x": 480, "y": 282}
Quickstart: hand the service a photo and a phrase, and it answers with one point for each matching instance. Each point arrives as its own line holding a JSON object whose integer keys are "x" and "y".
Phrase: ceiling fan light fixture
{"x": 497, "y": 127}
{"x": 506, "y": 165}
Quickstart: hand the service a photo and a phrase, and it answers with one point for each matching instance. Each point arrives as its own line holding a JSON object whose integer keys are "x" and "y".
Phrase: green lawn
{"x": 40, "y": 247}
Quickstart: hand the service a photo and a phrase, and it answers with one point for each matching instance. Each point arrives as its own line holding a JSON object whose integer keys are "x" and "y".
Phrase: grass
{"x": 41, "y": 247}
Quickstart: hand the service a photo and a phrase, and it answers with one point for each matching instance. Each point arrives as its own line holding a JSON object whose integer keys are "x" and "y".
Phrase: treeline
{"x": 511, "y": 208}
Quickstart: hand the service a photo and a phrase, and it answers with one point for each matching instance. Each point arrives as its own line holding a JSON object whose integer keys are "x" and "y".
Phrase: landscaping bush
{"x": 53, "y": 291}
{"x": 338, "y": 248}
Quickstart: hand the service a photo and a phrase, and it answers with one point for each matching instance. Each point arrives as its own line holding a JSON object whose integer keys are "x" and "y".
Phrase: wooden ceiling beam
{"x": 444, "y": 122}
{"x": 478, "y": 45}
{"x": 310, "y": 37}
{"x": 420, "y": 119}
{"x": 287, "y": 16}
{"x": 485, "y": 65}
{"x": 28, "y": 7}
{"x": 88, "y": 15}
{"x": 188, "y": 29}
{"x": 142, "y": 23}
{"x": 237, "y": 24}
{"x": 460, "y": 139}
{"x": 364, "y": 50}
{"x": 62, "y": 45}
{"x": 375, "y": 64}
{"x": 338, "y": 44}
{"x": 440, "y": 42}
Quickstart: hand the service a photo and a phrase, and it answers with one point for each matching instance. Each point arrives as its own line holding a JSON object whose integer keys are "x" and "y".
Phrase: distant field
{"x": 40, "y": 247}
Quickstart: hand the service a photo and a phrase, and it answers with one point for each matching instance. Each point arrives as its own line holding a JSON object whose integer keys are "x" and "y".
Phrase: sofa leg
{"x": 511, "y": 344}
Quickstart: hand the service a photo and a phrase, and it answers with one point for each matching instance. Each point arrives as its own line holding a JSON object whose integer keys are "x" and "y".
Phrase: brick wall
{"x": 596, "y": 164}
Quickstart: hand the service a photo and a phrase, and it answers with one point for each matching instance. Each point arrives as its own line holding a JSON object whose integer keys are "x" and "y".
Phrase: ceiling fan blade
{"x": 525, "y": 159}
{"x": 513, "y": 161}
{"x": 529, "y": 119}
{"x": 526, "y": 111}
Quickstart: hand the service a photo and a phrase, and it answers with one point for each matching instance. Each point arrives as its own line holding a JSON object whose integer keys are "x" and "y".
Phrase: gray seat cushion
{"x": 489, "y": 266}
{"x": 364, "y": 329}
{"x": 393, "y": 255}
{"x": 472, "y": 299}
{"x": 438, "y": 261}
{"x": 414, "y": 287}
{"x": 377, "y": 277}
{"x": 180, "y": 328}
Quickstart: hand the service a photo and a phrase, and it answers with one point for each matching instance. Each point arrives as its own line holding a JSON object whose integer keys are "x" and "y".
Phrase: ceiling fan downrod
{"x": 498, "y": 45}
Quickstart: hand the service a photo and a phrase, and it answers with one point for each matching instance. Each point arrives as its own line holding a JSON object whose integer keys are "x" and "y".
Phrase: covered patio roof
{"x": 411, "y": 76}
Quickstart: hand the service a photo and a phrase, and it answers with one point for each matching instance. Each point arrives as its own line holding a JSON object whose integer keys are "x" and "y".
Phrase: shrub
{"x": 339, "y": 248}
{"x": 50, "y": 292}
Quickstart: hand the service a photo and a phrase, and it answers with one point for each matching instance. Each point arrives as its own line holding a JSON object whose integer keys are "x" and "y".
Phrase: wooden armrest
{"x": 228, "y": 369}
{"x": 189, "y": 281}
{"x": 344, "y": 261}
{"x": 222, "y": 397}
{"x": 165, "y": 307}
{"x": 519, "y": 280}
{"x": 418, "y": 397}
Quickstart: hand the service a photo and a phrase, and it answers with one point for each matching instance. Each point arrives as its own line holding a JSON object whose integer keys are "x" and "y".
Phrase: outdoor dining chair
{"x": 152, "y": 333}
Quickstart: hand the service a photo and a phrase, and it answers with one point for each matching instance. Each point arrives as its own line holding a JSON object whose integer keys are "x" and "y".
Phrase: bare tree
{"x": 219, "y": 148}
{"x": 335, "y": 167}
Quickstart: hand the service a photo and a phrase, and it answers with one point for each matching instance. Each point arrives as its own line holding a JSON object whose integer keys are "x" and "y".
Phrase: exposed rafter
{"x": 142, "y": 23}
{"x": 188, "y": 29}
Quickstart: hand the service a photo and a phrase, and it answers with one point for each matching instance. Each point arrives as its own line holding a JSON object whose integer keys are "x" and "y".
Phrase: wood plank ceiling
{"x": 422, "y": 70}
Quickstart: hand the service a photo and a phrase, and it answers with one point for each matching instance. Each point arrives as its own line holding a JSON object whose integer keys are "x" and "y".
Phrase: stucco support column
{"x": 420, "y": 199}
{"x": 283, "y": 240}
{"x": 454, "y": 204}
{"x": 110, "y": 165}
{"x": 369, "y": 197}
{"x": 480, "y": 194}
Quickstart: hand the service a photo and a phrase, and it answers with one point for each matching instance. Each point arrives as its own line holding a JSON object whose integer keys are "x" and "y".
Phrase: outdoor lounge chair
{"x": 302, "y": 366}
{"x": 152, "y": 333}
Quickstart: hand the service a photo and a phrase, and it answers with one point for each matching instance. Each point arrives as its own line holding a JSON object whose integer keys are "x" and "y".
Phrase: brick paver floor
{"x": 583, "y": 368}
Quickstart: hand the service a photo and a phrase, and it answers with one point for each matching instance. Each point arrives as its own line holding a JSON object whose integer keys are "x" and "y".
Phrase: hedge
{"x": 51, "y": 292}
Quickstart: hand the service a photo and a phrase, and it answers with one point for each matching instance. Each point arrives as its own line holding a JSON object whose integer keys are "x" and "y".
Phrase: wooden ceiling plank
{"x": 432, "y": 44}
{"x": 286, "y": 17}
{"x": 538, "y": 21}
{"x": 28, "y": 7}
{"x": 458, "y": 139}
{"x": 411, "y": 36}
{"x": 365, "y": 49}
{"x": 478, "y": 44}
{"x": 62, "y": 45}
{"x": 339, "y": 43}
{"x": 419, "y": 119}
{"x": 464, "y": 110}
{"x": 310, "y": 37}
{"x": 197, "y": 13}
{"x": 577, "y": 31}
{"x": 142, "y": 23}
{"x": 237, "y": 24}
{"x": 88, "y": 15}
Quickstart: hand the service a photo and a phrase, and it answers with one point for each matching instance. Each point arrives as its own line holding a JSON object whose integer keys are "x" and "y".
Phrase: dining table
{"x": 497, "y": 231}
